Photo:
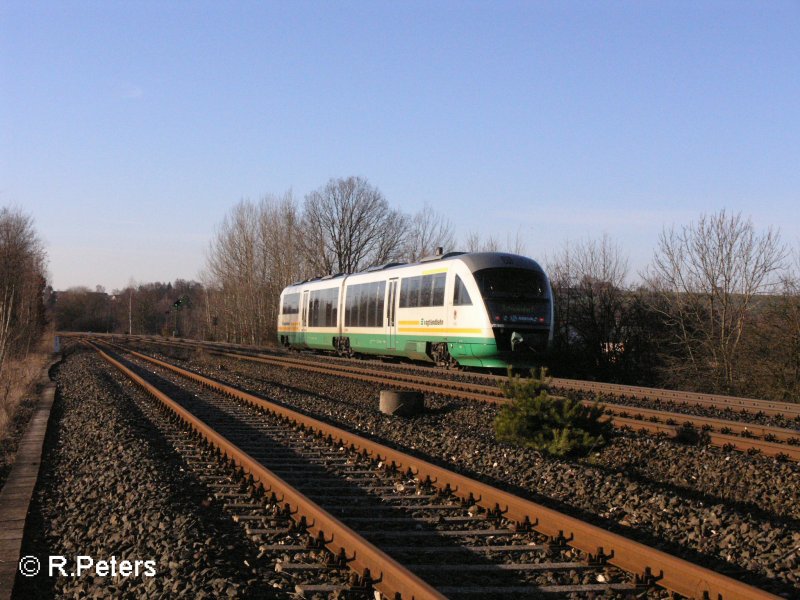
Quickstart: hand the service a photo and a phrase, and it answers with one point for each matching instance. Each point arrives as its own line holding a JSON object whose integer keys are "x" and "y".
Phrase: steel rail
{"x": 789, "y": 410}
{"x": 393, "y": 578}
{"x": 750, "y": 430}
{"x": 721, "y": 440}
{"x": 643, "y": 419}
{"x": 752, "y": 405}
{"x": 673, "y": 573}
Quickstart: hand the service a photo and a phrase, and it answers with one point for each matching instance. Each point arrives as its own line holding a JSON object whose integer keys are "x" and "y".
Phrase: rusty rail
{"x": 721, "y": 440}
{"x": 393, "y": 577}
{"x": 672, "y": 573}
{"x": 775, "y": 441}
{"x": 789, "y": 410}
{"x": 751, "y": 405}
{"x": 639, "y": 419}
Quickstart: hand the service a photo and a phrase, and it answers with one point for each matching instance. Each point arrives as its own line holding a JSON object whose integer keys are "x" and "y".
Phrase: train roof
{"x": 475, "y": 261}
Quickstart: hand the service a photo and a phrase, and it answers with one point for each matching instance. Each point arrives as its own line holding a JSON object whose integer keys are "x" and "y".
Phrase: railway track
{"x": 560, "y": 543}
{"x": 747, "y": 437}
{"x": 789, "y": 411}
{"x": 753, "y": 406}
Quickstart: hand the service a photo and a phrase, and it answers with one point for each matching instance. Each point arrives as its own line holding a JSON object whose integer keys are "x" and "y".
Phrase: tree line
{"x": 23, "y": 279}
{"x": 345, "y": 226}
{"x": 717, "y": 309}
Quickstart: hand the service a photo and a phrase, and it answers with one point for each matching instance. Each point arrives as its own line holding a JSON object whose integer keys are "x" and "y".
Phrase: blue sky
{"x": 129, "y": 129}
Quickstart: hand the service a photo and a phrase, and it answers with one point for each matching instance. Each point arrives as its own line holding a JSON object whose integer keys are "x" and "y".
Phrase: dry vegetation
{"x": 18, "y": 381}
{"x": 19, "y": 395}
{"x": 22, "y": 321}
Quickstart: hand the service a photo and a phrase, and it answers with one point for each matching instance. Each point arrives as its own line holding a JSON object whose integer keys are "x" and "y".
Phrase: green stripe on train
{"x": 469, "y": 352}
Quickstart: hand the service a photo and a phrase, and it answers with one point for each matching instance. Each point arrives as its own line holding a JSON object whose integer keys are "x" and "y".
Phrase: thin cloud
{"x": 123, "y": 222}
{"x": 612, "y": 217}
{"x": 130, "y": 91}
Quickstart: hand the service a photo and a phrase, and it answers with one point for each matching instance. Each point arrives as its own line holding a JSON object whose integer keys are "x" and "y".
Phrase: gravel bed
{"x": 486, "y": 379}
{"x": 220, "y": 413}
{"x": 663, "y": 405}
{"x": 689, "y": 409}
{"x": 111, "y": 487}
{"x": 733, "y": 512}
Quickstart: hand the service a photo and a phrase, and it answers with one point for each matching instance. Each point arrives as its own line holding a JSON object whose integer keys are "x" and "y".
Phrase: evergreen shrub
{"x": 554, "y": 425}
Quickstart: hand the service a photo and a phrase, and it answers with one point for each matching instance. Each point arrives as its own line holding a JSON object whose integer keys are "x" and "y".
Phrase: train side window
{"x": 372, "y": 306}
{"x": 438, "y": 289}
{"x": 291, "y": 304}
{"x": 333, "y": 307}
{"x": 364, "y": 305}
{"x": 361, "y": 306}
{"x": 413, "y": 291}
{"x": 323, "y": 308}
{"x": 351, "y": 307}
{"x": 403, "y": 293}
{"x": 460, "y": 294}
{"x": 425, "y": 290}
{"x": 313, "y": 312}
{"x": 380, "y": 291}
{"x": 359, "y": 310}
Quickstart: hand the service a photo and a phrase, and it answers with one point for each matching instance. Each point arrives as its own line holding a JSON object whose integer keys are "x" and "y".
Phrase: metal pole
{"x": 130, "y": 316}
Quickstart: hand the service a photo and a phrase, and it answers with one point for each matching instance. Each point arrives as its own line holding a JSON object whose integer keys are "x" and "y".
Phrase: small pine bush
{"x": 554, "y": 425}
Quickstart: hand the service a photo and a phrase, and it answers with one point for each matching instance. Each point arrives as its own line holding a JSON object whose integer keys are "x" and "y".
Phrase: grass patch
{"x": 18, "y": 398}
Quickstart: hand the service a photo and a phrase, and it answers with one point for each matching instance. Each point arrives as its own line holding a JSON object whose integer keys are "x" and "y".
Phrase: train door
{"x": 450, "y": 312}
{"x": 303, "y": 317}
{"x": 391, "y": 315}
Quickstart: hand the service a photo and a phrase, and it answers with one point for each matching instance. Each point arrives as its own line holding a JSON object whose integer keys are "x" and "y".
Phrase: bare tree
{"x": 475, "y": 242}
{"x": 786, "y": 356}
{"x": 390, "y": 243}
{"x": 231, "y": 262}
{"x": 282, "y": 261}
{"x": 348, "y": 225}
{"x": 705, "y": 277}
{"x": 516, "y": 244}
{"x": 592, "y": 303}
{"x": 428, "y": 231}
{"x": 772, "y": 348}
{"x": 22, "y": 284}
{"x": 254, "y": 255}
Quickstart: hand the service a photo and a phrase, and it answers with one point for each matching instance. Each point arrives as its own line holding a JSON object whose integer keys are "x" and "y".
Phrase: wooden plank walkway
{"x": 15, "y": 496}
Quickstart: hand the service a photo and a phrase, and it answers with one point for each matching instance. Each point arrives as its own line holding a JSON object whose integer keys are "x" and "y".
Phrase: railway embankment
{"x": 113, "y": 491}
{"x": 731, "y": 511}
{"x": 120, "y": 485}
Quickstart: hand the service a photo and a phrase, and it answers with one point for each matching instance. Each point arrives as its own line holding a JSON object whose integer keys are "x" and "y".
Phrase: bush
{"x": 554, "y": 425}
{"x": 688, "y": 434}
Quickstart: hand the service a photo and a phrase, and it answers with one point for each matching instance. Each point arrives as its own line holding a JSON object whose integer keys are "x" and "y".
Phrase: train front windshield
{"x": 515, "y": 296}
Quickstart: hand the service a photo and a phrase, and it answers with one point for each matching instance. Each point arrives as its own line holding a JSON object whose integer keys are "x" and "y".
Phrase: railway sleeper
{"x": 647, "y": 579}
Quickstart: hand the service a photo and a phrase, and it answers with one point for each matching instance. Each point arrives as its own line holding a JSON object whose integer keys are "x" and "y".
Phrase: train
{"x": 483, "y": 310}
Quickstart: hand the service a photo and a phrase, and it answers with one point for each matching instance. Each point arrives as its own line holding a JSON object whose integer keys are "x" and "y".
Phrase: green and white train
{"x": 483, "y": 309}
